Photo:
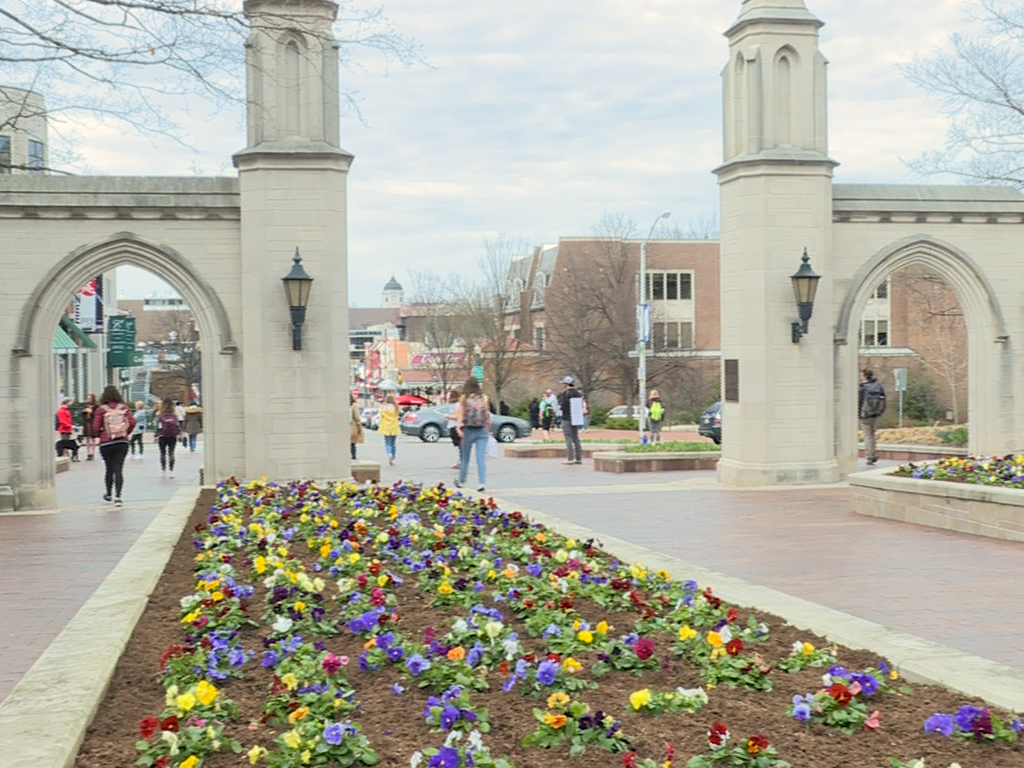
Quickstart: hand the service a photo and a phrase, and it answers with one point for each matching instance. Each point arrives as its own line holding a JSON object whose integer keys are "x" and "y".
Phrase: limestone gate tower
{"x": 776, "y": 194}
{"x": 292, "y": 182}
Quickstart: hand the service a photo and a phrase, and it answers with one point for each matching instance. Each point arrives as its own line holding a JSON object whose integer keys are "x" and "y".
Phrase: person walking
{"x": 90, "y": 439}
{"x": 586, "y": 414}
{"x": 474, "y": 425}
{"x": 534, "y": 414}
{"x": 547, "y": 415}
{"x": 389, "y": 426}
{"x": 355, "y": 426}
{"x": 570, "y": 402}
{"x": 452, "y": 422}
{"x": 870, "y": 406}
{"x": 66, "y": 429}
{"x": 167, "y": 433}
{"x": 656, "y": 415}
{"x": 113, "y": 423}
{"x": 141, "y": 423}
{"x": 179, "y": 411}
{"x": 193, "y": 424}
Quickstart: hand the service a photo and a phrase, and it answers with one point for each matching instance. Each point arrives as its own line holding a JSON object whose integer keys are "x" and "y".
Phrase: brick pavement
{"x": 951, "y": 588}
{"x": 54, "y": 561}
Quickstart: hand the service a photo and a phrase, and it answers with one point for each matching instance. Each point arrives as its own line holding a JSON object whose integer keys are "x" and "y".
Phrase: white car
{"x": 623, "y": 411}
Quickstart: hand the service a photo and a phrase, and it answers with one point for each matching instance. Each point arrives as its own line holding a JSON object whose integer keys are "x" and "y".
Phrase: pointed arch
{"x": 784, "y": 64}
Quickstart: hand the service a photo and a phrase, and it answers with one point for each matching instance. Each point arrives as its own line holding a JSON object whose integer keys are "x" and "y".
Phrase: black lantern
{"x": 296, "y": 287}
{"x": 805, "y": 286}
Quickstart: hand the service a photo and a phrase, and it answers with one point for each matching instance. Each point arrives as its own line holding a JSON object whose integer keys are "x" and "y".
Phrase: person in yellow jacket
{"x": 389, "y": 426}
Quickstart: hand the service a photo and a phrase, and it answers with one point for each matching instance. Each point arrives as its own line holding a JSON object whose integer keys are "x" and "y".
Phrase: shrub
{"x": 954, "y": 436}
{"x": 599, "y": 417}
{"x": 624, "y": 424}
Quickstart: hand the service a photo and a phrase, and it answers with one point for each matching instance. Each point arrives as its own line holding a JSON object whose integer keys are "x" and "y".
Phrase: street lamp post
{"x": 643, "y": 321}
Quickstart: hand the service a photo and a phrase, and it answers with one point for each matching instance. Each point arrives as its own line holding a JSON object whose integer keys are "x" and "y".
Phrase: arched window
{"x": 292, "y": 90}
{"x": 783, "y": 101}
{"x": 739, "y": 101}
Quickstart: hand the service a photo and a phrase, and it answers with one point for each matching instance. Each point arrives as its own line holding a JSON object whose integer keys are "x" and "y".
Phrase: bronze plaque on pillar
{"x": 732, "y": 381}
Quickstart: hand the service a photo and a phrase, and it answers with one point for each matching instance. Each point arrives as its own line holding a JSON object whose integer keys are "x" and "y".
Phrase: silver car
{"x": 431, "y": 424}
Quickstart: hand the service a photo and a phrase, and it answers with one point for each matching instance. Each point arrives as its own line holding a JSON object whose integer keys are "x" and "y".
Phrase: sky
{"x": 535, "y": 118}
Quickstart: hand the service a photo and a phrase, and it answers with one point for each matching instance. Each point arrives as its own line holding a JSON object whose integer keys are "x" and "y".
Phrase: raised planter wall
{"x": 655, "y": 462}
{"x": 994, "y": 512}
{"x": 366, "y": 470}
{"x": 894, "y": 452}
{"x": 547, "y": 451}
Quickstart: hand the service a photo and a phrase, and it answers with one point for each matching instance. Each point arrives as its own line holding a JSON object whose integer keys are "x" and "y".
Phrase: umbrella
{"x": 411, "y": 400}
{"x": 387, "y": 384}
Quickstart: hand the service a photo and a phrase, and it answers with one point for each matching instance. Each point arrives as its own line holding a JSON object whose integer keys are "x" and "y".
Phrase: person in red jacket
{"x": 113, "y": 422}
{"x": 66, "y": 429}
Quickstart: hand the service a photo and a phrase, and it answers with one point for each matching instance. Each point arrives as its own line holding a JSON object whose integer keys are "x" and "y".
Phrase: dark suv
{"x": 711, "y": 423}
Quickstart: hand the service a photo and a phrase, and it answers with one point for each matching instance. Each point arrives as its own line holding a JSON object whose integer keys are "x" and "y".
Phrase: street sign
{"x": 643, "y": 323}
{"x": 899, "y": 375}
{"x": 478, "y": 372}
{"x": 121, "y": 352}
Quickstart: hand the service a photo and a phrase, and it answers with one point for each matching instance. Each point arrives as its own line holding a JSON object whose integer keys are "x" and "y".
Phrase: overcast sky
{"x": 534, "y": 118}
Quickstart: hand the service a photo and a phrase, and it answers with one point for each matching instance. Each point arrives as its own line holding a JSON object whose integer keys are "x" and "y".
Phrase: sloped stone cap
{"x": 774, "y": 10}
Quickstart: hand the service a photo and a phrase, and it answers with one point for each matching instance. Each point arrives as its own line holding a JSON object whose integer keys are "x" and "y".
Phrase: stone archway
{"x": 990, "y": 391}
{"x": 33, "y": 391}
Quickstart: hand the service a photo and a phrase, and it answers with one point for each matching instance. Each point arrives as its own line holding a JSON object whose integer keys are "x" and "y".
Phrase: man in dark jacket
{"x": 570, "y": 425}
{"x": 870, "y": 405}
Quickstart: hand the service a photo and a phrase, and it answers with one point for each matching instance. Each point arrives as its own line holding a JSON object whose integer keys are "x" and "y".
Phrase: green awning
{"x": 76, "y": 333}
{"x": 62, "y": 342}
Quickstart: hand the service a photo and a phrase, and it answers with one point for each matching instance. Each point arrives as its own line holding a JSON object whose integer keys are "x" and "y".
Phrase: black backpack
{"x": 874, "y": 401}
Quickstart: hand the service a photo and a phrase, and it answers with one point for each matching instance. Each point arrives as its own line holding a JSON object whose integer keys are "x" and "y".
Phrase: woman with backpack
{"x": 474, "y": 425}
{"x": 113, "y": 423}
{"x": 656, "y": 415}
{"x": 389, "y": 426}
{"x": 167, "y": 433}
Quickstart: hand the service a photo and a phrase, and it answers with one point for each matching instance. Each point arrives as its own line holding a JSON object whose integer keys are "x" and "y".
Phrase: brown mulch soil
{"x": 396, "y": 728}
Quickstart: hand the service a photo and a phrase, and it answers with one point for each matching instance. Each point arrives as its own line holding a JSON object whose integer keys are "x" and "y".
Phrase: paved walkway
{"x": 53, "y": 562}
{"x": 959, "y": 590}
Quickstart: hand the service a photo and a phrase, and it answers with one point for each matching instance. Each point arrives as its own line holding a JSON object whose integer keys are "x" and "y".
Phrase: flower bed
{"x": 994, "y": 471}
{"x": 412, "y": 626}
{"x": 673, "y": 446}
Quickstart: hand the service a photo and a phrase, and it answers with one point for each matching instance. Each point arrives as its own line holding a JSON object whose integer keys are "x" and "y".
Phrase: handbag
{"x": 492, "y": 447}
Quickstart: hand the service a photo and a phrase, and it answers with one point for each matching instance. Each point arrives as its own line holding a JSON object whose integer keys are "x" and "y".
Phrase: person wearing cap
{"x": 570, "y": 402}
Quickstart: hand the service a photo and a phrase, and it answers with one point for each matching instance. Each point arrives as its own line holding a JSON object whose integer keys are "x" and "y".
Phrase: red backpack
{"x": 168, "y": 426}
{"x": 115, "y": 422}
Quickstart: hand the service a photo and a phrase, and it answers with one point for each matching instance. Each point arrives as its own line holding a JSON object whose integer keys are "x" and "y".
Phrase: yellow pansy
{"x": 297, "y": 715}
{"x": 445, "y": 588}
{"x": 189, "y": 762}
{"x": 292, "y": 740}
{"x": 687, "y": 633}
{"x": 382, "y": 580}
{"x": 602, "y": 627}
{"x": 255, "y": 754}
{"x": 585, "y": 636}
{"x": 325, "y": 550}
{"x": 206, "y": 692}
{"x": 807, "y": 649}
{"x": 715, "y": 639}
{"x": 571, "y": 666}
{"x": 663, "y": 575}
{"x": 556, "y": 700}
{"x": 640, "y": 699}
{"x": 185, "y": 702}
{"x": 190, "y": 617}
{"x": 354, "y": 557}
{"x": 717, "y": 653}
{"x": 300, "y": 606}
{"x": 491, "y": 574}
{"x": 570, "y": 543}
{"x": 306, "y": 756}
{"x": 217, "y": 596}
{"x": 290, "y": 680}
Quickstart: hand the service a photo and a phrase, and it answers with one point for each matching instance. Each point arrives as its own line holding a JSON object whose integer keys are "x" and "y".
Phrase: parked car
{"x": 624, "y": 411}
{"x": 431, "y": 424}
{"x": 370, "y": 417}
{"x": 711, "y": 423}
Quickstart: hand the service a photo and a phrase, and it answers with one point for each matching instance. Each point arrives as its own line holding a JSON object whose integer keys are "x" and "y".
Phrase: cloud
{"x": 537, "y": 117}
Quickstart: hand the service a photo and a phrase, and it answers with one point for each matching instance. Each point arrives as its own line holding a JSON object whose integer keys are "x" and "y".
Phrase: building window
{"x": 882, "y": 291}
{"x": 36, "y": 161}
{"x": 5, "y": 154}
{"x": 874, "y": 333}
{"x": 672, "y": 336}
{"x": 538, "y": 338}
{"x": 669, "y": 286}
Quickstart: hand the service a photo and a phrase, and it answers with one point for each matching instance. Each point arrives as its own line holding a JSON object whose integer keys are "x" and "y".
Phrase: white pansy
{"x": 493, "y": 628}
{"x": 726, "y": 633}
{"x": 459, "y": 626}
{"x": 798, "y": 646}
{"x": 474, "y": 741}
{"x": 283, "y": 624}
{"x": 416, "y": 759}
{"x": 188, "y": 601}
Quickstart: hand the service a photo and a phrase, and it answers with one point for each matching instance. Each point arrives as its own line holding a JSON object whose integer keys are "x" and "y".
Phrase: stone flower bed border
{"x": 984, "y": 511}
{"x": 43, "y": 721}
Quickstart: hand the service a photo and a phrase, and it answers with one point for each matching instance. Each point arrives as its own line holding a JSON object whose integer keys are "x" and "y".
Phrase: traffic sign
{"x": 121, "y": 352}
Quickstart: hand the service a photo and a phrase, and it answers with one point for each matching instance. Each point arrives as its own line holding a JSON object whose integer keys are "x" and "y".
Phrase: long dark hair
{"x": 111, "y": 395}
{"x": 471, "y": 387}
{"x": 166, "y": 406}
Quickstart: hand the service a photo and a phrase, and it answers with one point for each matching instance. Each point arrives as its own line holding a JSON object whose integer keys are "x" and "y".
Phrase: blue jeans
{"x": 389, "y": 445}
{"x": 474, "y": 436}
{"x": 192, "y": 437}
